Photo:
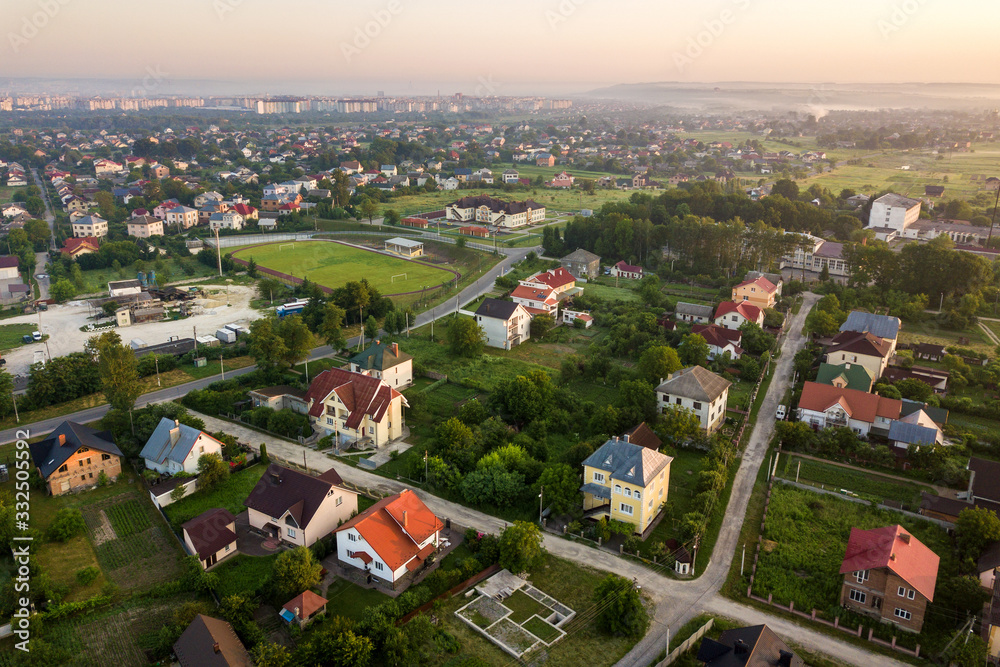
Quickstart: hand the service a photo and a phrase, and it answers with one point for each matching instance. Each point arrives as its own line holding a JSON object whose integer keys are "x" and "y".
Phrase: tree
{"x": 560, "y": 488}
{"x": 694, "y": 350}
{"x": 466, "y": 337}
{"x": 521, "y": 546}
{"x": 62, "y": 290}
{"x": 266, "y": 345}
{"x": 252, "y": 267}
{"x": 331, "y": 326}
{"x": 6, "y": 394}
{"x": 658, "y": 362}
{"x": 268, "y": 287}
{"x": 118, "y": 369}
{"x": 371, "y": 328}
{"x": 541, "y": 324}
{"x": 68, "y": 522}
{"x": 622, "y": 611}
{"x": 368, "y": 209}
{"x": 269, "y": 654}
{"x": 976, "y": 527}
{"x": 296, "y": 571}
{"x": 298, "y": 340}
{"x": 392, "y": 217}
{"x": 212, "y": 470}
{"x": 786, "y": 188}
{"x": 264, "y": 458}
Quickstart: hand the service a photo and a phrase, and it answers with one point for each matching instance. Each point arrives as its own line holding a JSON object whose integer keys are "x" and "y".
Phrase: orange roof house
{"x": 303, "y": 608}
{"x": 823, "y": 406}
{"x": 732, "y": 315}
{"x": 391, "y": 540}
{"x": 536, "y": 300}
{"x": 560, "y": 280}
{"x": 760, "y": 291}
{"x": 74, "y": 247}
{"x": 889, "y": 574}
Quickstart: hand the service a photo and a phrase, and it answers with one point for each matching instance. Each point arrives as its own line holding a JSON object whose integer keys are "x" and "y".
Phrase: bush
{"x": 68, "y": 523}
{"x": 87, "y": 575}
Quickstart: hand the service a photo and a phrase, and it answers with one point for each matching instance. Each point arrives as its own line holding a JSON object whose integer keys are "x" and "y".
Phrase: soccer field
{"x": 332, "y": 264}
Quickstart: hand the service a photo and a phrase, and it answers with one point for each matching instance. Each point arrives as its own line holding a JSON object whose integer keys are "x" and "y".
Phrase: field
{"x": 931, "y": 332}
{"x": 557, "y": 200}
{"x": 242, "y": 574}
{"x": 229, "y": 495}
{"x": 866, "y": 485}
{"x": 333, "y": 264}
{"x": 10, "y": 335}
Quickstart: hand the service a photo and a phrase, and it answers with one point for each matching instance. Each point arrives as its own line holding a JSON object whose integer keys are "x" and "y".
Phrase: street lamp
{"x": 993, "y": 221}
{"x": 541, "y": 490}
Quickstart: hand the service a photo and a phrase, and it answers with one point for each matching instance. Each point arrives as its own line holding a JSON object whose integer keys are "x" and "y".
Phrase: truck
{"x": 226, "y": 335}
{"x": 291, "y": 308}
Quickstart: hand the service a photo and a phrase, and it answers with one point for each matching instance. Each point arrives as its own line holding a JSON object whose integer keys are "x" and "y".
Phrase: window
{"x": 352, "y": 537}
{"x": 628, "y": 493}
{"x": 340, "y": 500}
{"x": 379, "y": 566}
{"x": 910, "y": 594}
{"x": 901, "y": 591}
{"x": 80, "y": 463}
{"x": 618, "y": 488}
{"x": 329, "y": 421}
{"x": 598, "y": 476}
{"x": 91, "y": 475}
{"x": 677, "y": 401}
{"x": 638, "y": 495}
{"x": 83, "y": 449}
{"x": 861, "y": 576}
{"x": 88, "y": 461}
{"x": 105, "y": 457}
{"x": 903, "y": 614}
{"x": 626, "y": 509}
{"x": 63, "y": 468}
{"x": 290, "y": 531}
{"x": 697, "y": 405}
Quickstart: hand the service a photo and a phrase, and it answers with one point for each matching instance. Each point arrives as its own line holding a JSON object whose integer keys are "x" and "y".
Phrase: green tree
{"x": 118, "y": 369}
{"x": 392, "y": 217}
{"x": 541, "y": 324}
{"x": 296, "y": 571}
{"x": 521, "y": 546}
{"x": 694, "y": 350}
{"x": 252, "y": 267}
{"x": 658, "y": 362}
{"x": 371, "y": 328}
{"x": 62, "y": 290}
{"x": 270, "y": 654}
{"x": 466, "y": 338}
{"x": 368, "y": 209}
{"x": 212, "y": 470}
{"x": 266, "y": 345}
{"x": 267, "y": 287}
{"x": 976, "y": 527}
{"x": 560, "y": 488}
{"x": 298, "y": 339}
{"x": 622, "y": 612}
{"x": 68, "y": 523}
{"x": 331, "y": 326}
{"x": 6, "y": 394}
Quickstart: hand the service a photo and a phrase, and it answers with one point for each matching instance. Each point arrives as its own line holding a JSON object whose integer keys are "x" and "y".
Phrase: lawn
{"x": 555, "y": 200}
{"x": 931, "y": 331}
{"x": 229, "y": 495}
{"x": 10, "y": 335}
{"x": 332, "y": 264}
{"x": 96, "y": 280}
{"x": 351, "y": 600}
{"x": 242, "y": 574}
{"x": 611, "y": 293}
{"x": 866, "y": 485}
{"x": 523, "y": 607}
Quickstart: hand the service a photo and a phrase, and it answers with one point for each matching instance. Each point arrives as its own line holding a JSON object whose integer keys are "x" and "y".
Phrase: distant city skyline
{"x": 554, "y": 47}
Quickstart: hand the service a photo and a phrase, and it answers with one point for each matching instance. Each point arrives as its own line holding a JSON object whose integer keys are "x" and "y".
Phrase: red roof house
{"x": 74, "y": 247}
{"x": 558, "y": 279}
{"x": 823, "y": 405}
{"x": 355, "y": 406}
{"x": 624, "y": 270}
{"x": 303, "y": 608}
{"x": 536, "y": 299}
{"x": 473, "y": 230}
{"x": 733, "y": 315}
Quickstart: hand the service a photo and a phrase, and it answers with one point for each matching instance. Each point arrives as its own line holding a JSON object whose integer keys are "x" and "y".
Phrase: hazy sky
{"x": 504, "y": 47}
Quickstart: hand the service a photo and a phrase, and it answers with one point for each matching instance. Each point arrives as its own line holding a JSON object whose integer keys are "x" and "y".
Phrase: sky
{"x": 508, "y": 47}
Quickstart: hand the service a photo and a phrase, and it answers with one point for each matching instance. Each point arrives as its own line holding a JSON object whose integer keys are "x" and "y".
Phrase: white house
{"x": 174, "y": 447}
{"x": 732, "y": 315}
{"x": 184, "y": 217}
{"x": 391, "y": 540}
{"x": 571, "y": 316}
{"x": 625, "y": 270}
{"x": 505, "y": 323}
{"x": 823, "y": 406}
{"x": 226, "y": 220}
{"x": 894, "y": 212}
{"x": 699, "y": 391}
{"x": 384, "y": 361}
{"x": 355, "y": 408}
{"x": 90, "y": 226}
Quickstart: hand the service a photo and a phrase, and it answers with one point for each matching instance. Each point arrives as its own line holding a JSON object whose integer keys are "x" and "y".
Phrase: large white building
{"x": 90, "y": 226}
{"x": 699, "y": 391}
{"x": 505, "y": 323}
{"x": 490, "y": 211}
{"x": 893, "y": 212}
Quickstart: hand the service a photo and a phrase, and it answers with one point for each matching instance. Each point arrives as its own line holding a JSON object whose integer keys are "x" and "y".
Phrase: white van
{"x": 780, "y": 414}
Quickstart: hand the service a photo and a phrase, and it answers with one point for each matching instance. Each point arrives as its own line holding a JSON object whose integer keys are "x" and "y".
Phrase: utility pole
{"x": 17, "y": 418}
{"x": 541, "y": 490}
{"x": 156, "y": 362}
{"x": 994, "y": 220}
{"x": 425, "y": 466}
{"x": 222, "y": 364}
{"x": 407, "y": 313}
{"x": 218, "y": 251}
{"x": 743, "y": 558}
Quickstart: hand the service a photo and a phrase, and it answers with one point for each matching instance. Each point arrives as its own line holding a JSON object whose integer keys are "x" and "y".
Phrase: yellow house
{"x": 626, "y": 482}
{"x": 760, "y": 292}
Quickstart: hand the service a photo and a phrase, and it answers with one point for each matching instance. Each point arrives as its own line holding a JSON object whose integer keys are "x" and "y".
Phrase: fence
{"x": 686, "y": 644}
{"x": 472, "y": 581}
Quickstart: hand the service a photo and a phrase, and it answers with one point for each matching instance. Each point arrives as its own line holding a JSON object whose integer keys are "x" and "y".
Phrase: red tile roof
{"x": 395, "y": 526}
{"x": 860, "y": 343}
{"x": 760, "y": 282}
{"x": 894, "y": 548}
{"x": 74, "y": 245}
{"x": 361, "y": 394}
{"x": 624, "y": 266}
{"x": 534, "y": 294}
{"x": 718, "y": 336}
{"x": 747, "y": 310}
{"x": 859, "y": 405}
{"x": 308, "y": 603}
{"x": 554, "y": 278}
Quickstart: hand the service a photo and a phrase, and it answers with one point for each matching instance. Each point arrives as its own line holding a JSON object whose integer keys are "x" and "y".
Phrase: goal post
{"x": 398, "y": 275}
{"x": 282, "y": 246}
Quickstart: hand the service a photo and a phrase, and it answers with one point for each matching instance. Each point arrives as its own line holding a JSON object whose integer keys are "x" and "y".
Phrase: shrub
{"x": 68, "y": 523}
{"x": 87, "y": 575}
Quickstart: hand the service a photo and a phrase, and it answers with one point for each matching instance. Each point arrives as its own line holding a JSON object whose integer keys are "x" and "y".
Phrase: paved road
{"x": 49, "y": 216}
{"x": 482, "y": 286}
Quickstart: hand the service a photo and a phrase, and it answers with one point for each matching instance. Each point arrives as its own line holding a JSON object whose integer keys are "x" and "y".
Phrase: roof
{"x": 210, "y": 532}
{"x": 990, "y": 558}
{"x": 163, "y": 446}
{"x": 938, "y": 415}
{"x": 554, "y": 278}
{"x": 279, "y": 390}
{"x": 50, "y": 454}
{"x": 625, "y": 266}
{"x": 361, "y": 394}
{"x": 90, "y": 220}
{"x": 406, "y": 243}
{"x": 719, "y": 337}
{"x": 893, "y": 199}
{"x": 596, "y": 490}
{"x": 830, "y": 249}
{"x": 628, "y": 462}
{"x": 379, "y": 356}
{"x": 985, "y": 478}
{"x": 307, "y": 603}
{"x": 754, "y": 646}
{"x": 942, "y": 505}
{"x": 579, "y": 255}
{"x": 855, "y": 376}
{"x": 124, "y": 284}
{"x": 696, "y": 383}
{"x": 8, "y": 262}
{"x": 501, "y": 310}
{"x": 544, "y": 294}
{"x": 496, "y": 205}
{"x": 894, "y": 548}
{"x": 860, "y": 343}
{"x": 913, "y": 434}
{"x": 882, "y": 326}
{"x": 281, "y": 490}
{"x": 860, "y": 405}
{"x": 395, "y": 526}
{"x": 195, "y": 646}
{"x": 775, "y": 278}
{"x": 72, "y": 245}
{"x": 760, "y": 282}
{"x": 746, "y": 309}
{"x": 643, "y": 436}
{"x": 929, "y": 349}
{"x": 684, "y": 308}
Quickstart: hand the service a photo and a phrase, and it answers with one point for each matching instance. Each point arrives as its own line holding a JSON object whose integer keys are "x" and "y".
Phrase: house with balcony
{"x": 505, "y": 323}
{"x": 823, "y": 406}
{"x": 760, "y": 292}
{"x": 698, "y": 390}
{"x": 627, "y": 482}
{"x": 357, "y": 409}
{"x": 384, "y": 361}
{"x": 90, "y": 226}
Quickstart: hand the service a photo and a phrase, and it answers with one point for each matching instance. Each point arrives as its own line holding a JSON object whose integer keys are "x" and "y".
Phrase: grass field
{"x": 230, "y": 495}
{"x": 557, "y": 200}
{"x": 863, "y": 483}
{"x": 932, "y": 332}
{"x": 334, "y": 264}
{"x": 10, "y": 335}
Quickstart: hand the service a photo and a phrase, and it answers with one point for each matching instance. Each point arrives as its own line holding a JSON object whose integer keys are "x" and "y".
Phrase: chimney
{"x": 395, "y": 349}
{"x": 177, "y": 422}
{"x": 405, "y": 519}
{"x": 905, "y": 537}
{"x": 740, "y": 648}
{"x": 216, "y": 648}
{"x": 625, "y": 437}
{"x": 785, "y": 658}
{"x": 62, "y": 438}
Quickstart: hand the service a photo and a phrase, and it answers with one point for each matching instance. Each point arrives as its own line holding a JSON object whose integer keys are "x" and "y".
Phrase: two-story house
{"x": 145, "y": 226}
{"x": 760, "y": 292}
{"x": 90, "y": 226}
{"x": 699, "y": 391}
{"x": 297, "y": 508}
{"x": 720, "y": 340}
{"x": 505, "y": 323}
{"x": 357, "y": 409}
{"x": 73, "y": 457}
{"x": 625, "y": 481}
{"x": 536, "y": 299}
{"x": 391, "y": 540}
{"x": 864, "y": 349}
{"x": 184, "y": 217}
{"x": 211, "y": 536}
{"x": 888, "y": 574}
{"x": 175, "y": 447}
{"x": 558, "y": 280}
{"x": 384, "y": 361}
{"x": 582, "y": 264}
{"x": 822, "y": 406}
{"x": 733, "y": 315}
{"x": 885, "y": 327}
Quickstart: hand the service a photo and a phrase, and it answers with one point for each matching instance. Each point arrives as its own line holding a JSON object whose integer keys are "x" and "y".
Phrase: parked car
{"x": 26, "y": 338}
{"x": 780, "y": 414}
{"x": 36, "y": 335}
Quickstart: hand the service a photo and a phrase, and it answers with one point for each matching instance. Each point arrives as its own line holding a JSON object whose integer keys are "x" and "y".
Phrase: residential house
{"x": 416, "y": 223}
{"x": 754, "y": 646}
{"x": 883, "y": 326}
{"x": 720, "y": 340}
{"x": 916, "y": 428}
{"x": 536, "y": 299}
{"x": 211, "y": 536}
{"x": 984, "y": 483}
{"x": 562, "y": 180}
{"x": 572, "y": 316}
{"x": 929, "y": 352}
{"x": 391, "y": 540}
{"x": 73, "y": 457}
{"x": 9, "y": 267}
{"x": 822, "y": 406}
{"x": 643, "y": 436}
{"x": 693, "y": 313}
{"x": 893, "y": 214}
{"x": 302, "y": 608}
{"x": 160, "y": 210}
{"x": 357, "y": 409}
{"x": 184, "y": 217}
{"x": 733, "y": 315}
{"x": 175, "y": 447}
{"x": 560, "y": 281}
{"x": 75, "y": 247}
{"x": 698, "y": 390}
{"x": 505, "y": 323}
{"x": 90, "y": 226}
{"x": 385, "y": 362}
{"x": 225, "y": 220}
{"x": 625, "y": 481}
{"x": 759, "y": 292}
{"x": 296, "y": 508}
{"x": 248, "y": 212}
{"x": 208, "y": 198}
{"x": 145, "y": 226}
{"x": 888, "y": 574}
{"x": 210, "y": 642}
{"x": 845, "y": 376}
{"x": 509, "y": 176}
{"x": 488, "y": 210}
{"x": 775, "y": 279}
{"x": 582, "y": 264}
{"x": 866, "y": 349}
{"x": 935, "y": 378}
{"x": 625, "y": 270}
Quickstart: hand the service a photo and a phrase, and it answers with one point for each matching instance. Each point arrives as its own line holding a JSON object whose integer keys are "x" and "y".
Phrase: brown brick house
{"x": 888, "y": 574}
{"x": 73, "y": 457}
